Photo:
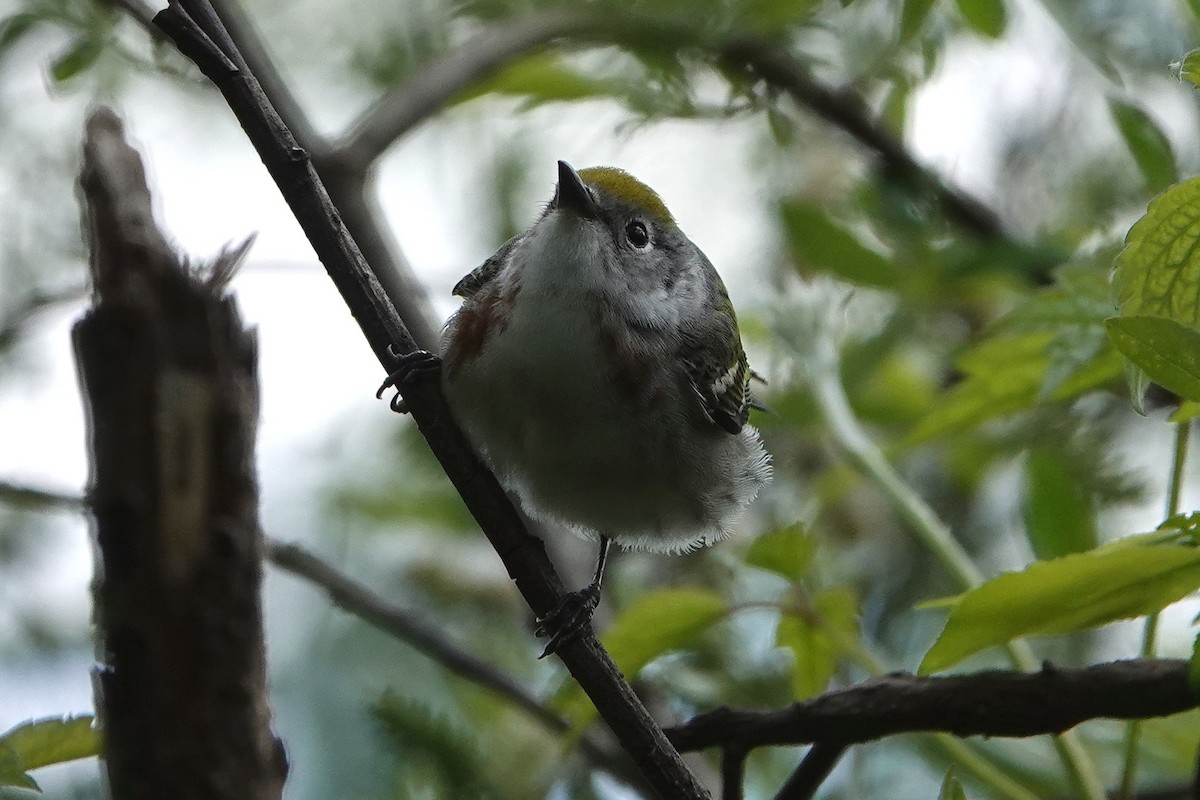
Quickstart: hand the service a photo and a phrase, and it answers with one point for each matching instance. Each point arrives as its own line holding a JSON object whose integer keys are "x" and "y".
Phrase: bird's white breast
{"x": 540, "y": 401}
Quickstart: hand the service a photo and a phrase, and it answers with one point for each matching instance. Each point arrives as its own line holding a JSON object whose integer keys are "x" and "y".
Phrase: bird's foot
{"x": 569, "y": 617}
{"x": 411, "y": 369}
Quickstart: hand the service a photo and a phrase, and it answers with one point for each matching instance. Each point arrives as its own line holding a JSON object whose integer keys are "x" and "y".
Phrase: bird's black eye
{"x": 637, "y": 234}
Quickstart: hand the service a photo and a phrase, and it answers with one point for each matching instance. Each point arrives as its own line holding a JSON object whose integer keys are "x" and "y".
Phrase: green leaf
{"x": 14, "y": 27}
{"x": 656, "y": 623}
{"x": 1158, "y": 272}
{"x": 951, "y": 788}
{"x": 77, "y": 58}
{"x": 1011, "y": 373}
{"x": 40, "y": 743}
{"x": 1194, "y": 666}
{"x": 1188, "y": 410}
{"x": 1189, "y": 68}
{"x": 542, "y": 78}
{"x": 786, "y": 551}
{"x": 659, "y": 622}
{"x": 912, "y": 17}
{"x": 987, "y": 17}
{"x": 1133, "y": 577}
{"x": 12, "y": 773}
{"x": 1150, "y": 147}
{"x": 817, "y": 242}
{"x": 1168, "y": 352}
{"x": 1050, "y": 349}
{"x": 813, "y": 639}
{"x": 1060, "y": 513}
{"x": 773, "y": 16}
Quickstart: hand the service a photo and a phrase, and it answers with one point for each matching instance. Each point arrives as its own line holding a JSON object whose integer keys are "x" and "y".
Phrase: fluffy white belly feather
{"x": 540, "y": 402}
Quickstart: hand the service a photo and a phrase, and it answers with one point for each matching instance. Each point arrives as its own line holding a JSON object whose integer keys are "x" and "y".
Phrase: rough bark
{"x": 168, "y": 373}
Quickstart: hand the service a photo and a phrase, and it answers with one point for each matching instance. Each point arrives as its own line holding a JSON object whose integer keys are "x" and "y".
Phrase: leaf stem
{"x": 1133, "y": 731}
{"x": 923, "y": 521}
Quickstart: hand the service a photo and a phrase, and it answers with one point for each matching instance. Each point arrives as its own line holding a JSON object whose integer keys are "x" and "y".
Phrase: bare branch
{"x": 733, "y": 772}
{"x": 813, "y": 769}
{"x": 348, "y": 187}
{"x": 200, "y": 35}
{"x": 443, "y": 79}
{"x": 411, "y": 628}
{"x": 848, "y": 112}
{"x": 992, "y": 703}
{"x": 436, "y": 84}
{"x": 35, "y": 497}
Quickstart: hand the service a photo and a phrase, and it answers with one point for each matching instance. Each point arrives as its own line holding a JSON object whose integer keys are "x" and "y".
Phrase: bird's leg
{"x": 411, "y": 368}
{"x": 574, "y": 610}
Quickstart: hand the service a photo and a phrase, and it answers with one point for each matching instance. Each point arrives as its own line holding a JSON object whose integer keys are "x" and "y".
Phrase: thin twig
{"x": 412, "y": 629}
{"x": 442, "y": 79}
{"x": 445, "y": 78}
{"x": 403, "y": 625}
{"x": 349, "y": 188}
{"x": 199, "y": 34}
{"x": 812, "y": 771}
{"x": 15, "y": 319}
{"x": 847, "y": 111}
{"x": 733, "y": 772}
{"x": 32, "y": 496}
{"x": 991, "y": 703}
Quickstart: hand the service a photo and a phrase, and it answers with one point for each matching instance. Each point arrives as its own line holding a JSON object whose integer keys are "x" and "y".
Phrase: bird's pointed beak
{"x": 573, "y": 194}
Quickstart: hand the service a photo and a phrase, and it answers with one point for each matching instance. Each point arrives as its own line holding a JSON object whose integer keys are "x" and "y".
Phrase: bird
{"x": 596, "y": 364}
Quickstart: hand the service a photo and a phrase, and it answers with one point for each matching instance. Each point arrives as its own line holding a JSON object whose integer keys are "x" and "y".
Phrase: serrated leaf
{"x": 77, "y": 58}
{"x": 1148, "y": 145}
{"x": 987, "y": 17}
{"x": 1158, "y": 272}
{"x": 1060, "y": 513}
{"x": 12, "y": 773}
{"x": 1166, "y": 351}
{"x": 951, "y": 788}
{"x": 1134, "y": 577}
{"x": 912, "y": 17}
{"x": 818, "y": 242}
{"x": 785, "y": 551}
{"x": 813, "y": 639}
{"x": 55, "y": 740}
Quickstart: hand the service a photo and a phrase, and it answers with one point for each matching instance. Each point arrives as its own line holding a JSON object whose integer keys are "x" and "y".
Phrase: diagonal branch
{"x": 439, "y": 81}
{"x": 200, "y": 35}
{"x": 398, "y": 623}
{"x": 414, "y": 630}
{"x": 442, "y": 79}
{"x": 38, "y": 498}
{"x": 992, "y": 703}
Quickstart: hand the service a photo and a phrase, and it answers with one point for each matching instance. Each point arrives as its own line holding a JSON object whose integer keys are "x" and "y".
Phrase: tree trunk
{"x": 168, "y": 372}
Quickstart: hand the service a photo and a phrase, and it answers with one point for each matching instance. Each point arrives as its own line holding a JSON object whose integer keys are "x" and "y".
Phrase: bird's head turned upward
{"x": 607, "y": 231}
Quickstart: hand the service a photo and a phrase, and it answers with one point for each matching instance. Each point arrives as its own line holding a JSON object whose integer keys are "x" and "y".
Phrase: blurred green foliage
{"x": 991, "y": 368}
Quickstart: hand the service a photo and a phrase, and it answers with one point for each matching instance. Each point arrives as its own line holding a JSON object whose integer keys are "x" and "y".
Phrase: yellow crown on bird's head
{"x": 619, "y": 184}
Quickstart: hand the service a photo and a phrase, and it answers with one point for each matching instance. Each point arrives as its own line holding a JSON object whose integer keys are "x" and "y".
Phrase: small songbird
{"x": 597, "y": 366}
